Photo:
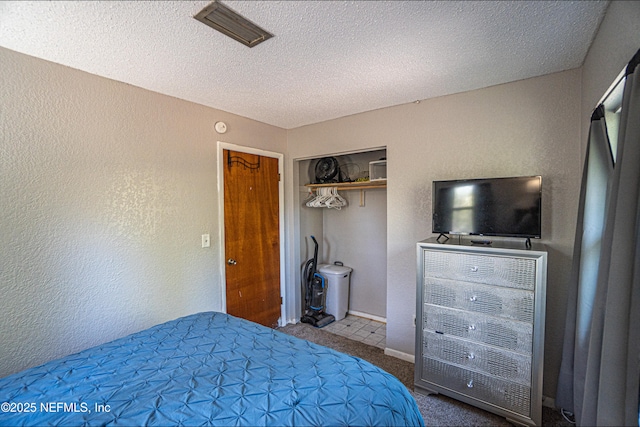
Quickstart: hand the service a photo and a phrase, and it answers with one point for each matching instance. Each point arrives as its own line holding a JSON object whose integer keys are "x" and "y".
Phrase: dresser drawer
{"x": 503, "y": 364}
{"x": 512, "y": 304}
{"x": 506, "y": 394}
{"x": 508, "y": 334}
{"x": 509, "y": 272}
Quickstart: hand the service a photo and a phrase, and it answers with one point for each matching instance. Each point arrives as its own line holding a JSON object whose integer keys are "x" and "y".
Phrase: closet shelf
{"x": 366, "y": 185}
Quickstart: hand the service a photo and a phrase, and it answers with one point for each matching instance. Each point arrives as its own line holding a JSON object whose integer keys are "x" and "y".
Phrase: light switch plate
{"x": 206, "y": 241}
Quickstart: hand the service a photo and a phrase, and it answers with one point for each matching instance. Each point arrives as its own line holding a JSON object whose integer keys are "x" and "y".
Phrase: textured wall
{"x": 523, "y": 128}
{"x": 531, "y": 127}
{"x": 617, "y": 40}
{"x": 105, "y": 189}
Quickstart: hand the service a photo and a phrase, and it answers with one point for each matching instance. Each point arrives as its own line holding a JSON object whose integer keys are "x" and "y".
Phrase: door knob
{"x": 232, "y": 261}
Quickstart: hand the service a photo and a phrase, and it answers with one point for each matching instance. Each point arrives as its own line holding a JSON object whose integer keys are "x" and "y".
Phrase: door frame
{"x": 222, "y": 258}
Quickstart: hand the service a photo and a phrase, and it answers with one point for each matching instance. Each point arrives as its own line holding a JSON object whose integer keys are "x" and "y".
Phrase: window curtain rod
{"x": 633, "y": 63}
{"x": 630, "y": 68}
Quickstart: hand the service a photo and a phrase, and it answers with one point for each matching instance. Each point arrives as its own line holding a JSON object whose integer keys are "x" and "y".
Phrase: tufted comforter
{"x": 206, "y": 369}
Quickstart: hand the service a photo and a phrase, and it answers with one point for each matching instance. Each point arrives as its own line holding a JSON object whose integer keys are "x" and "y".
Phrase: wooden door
{"x": 252, "y": 236}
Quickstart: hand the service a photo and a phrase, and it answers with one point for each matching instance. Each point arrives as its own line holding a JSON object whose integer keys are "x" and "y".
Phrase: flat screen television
{"x": 508, "y": 207}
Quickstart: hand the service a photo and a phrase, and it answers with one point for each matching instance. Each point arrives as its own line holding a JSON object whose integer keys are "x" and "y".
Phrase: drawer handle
{"x": 473, "y": 298}
{"x": 474, "y": 268}
{"x": 471, "y": 356}
{"x": 472, "y": 327}
{"x": 470, "y": 384}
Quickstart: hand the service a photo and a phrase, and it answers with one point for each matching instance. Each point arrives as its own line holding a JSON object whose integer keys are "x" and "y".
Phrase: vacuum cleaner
{"x": 315, "y": 293}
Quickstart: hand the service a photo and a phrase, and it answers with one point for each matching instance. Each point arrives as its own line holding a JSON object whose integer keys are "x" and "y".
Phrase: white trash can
{"x": 337, "y": 281}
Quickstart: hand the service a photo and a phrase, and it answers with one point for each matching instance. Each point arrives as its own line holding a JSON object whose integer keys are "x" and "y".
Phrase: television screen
{"x": 509, "y": 207}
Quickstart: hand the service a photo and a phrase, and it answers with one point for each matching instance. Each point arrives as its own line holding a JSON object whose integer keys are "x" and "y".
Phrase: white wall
{"x": 105, "y": 189}
{"x": 524, "y": 128}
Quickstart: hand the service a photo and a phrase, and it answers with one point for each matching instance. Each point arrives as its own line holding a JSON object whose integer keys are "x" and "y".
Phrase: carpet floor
{"x": 436, "y": 410}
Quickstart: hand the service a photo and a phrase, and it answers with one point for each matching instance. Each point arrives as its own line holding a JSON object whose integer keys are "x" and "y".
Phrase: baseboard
{"x": 368, "y": 316}
{"x": 548, "y": 402}
{"x": 287, "y": 322}
{"x": 400, "y": 355}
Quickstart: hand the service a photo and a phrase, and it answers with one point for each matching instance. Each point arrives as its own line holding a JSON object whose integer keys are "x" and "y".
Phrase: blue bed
{"x": 206, "y": 369}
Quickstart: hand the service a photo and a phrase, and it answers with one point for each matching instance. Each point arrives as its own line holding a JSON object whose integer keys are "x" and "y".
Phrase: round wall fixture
{"x": 221, "y": 127}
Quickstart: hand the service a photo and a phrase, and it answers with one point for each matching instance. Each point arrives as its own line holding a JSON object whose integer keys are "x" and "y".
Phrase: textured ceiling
{"x": 327, "y": 60}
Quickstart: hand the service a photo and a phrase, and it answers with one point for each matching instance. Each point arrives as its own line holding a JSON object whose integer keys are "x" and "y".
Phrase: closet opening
{"x": 352, "y": 230}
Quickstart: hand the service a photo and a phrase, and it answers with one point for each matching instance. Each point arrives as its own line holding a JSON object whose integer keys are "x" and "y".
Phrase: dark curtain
{"x": 599, "y": 375}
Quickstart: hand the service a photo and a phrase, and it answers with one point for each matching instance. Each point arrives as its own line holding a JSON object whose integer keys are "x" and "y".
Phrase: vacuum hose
{"x": 307, "y": 276}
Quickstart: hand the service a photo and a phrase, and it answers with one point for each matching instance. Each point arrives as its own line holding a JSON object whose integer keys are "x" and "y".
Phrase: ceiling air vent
{"x": 230, "y": 23}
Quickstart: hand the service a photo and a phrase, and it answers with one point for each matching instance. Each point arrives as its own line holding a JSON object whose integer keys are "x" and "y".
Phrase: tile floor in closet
{"x": 357, "y": 328}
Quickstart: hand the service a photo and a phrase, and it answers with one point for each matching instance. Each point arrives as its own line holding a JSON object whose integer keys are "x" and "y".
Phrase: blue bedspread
{"x": 207, "y": 369}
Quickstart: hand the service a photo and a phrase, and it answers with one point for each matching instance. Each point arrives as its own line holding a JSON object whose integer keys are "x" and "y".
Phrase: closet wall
{"x": 356, "y": 234}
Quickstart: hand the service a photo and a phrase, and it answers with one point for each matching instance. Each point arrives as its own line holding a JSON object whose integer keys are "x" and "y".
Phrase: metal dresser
{"x": 480, "y": 325}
